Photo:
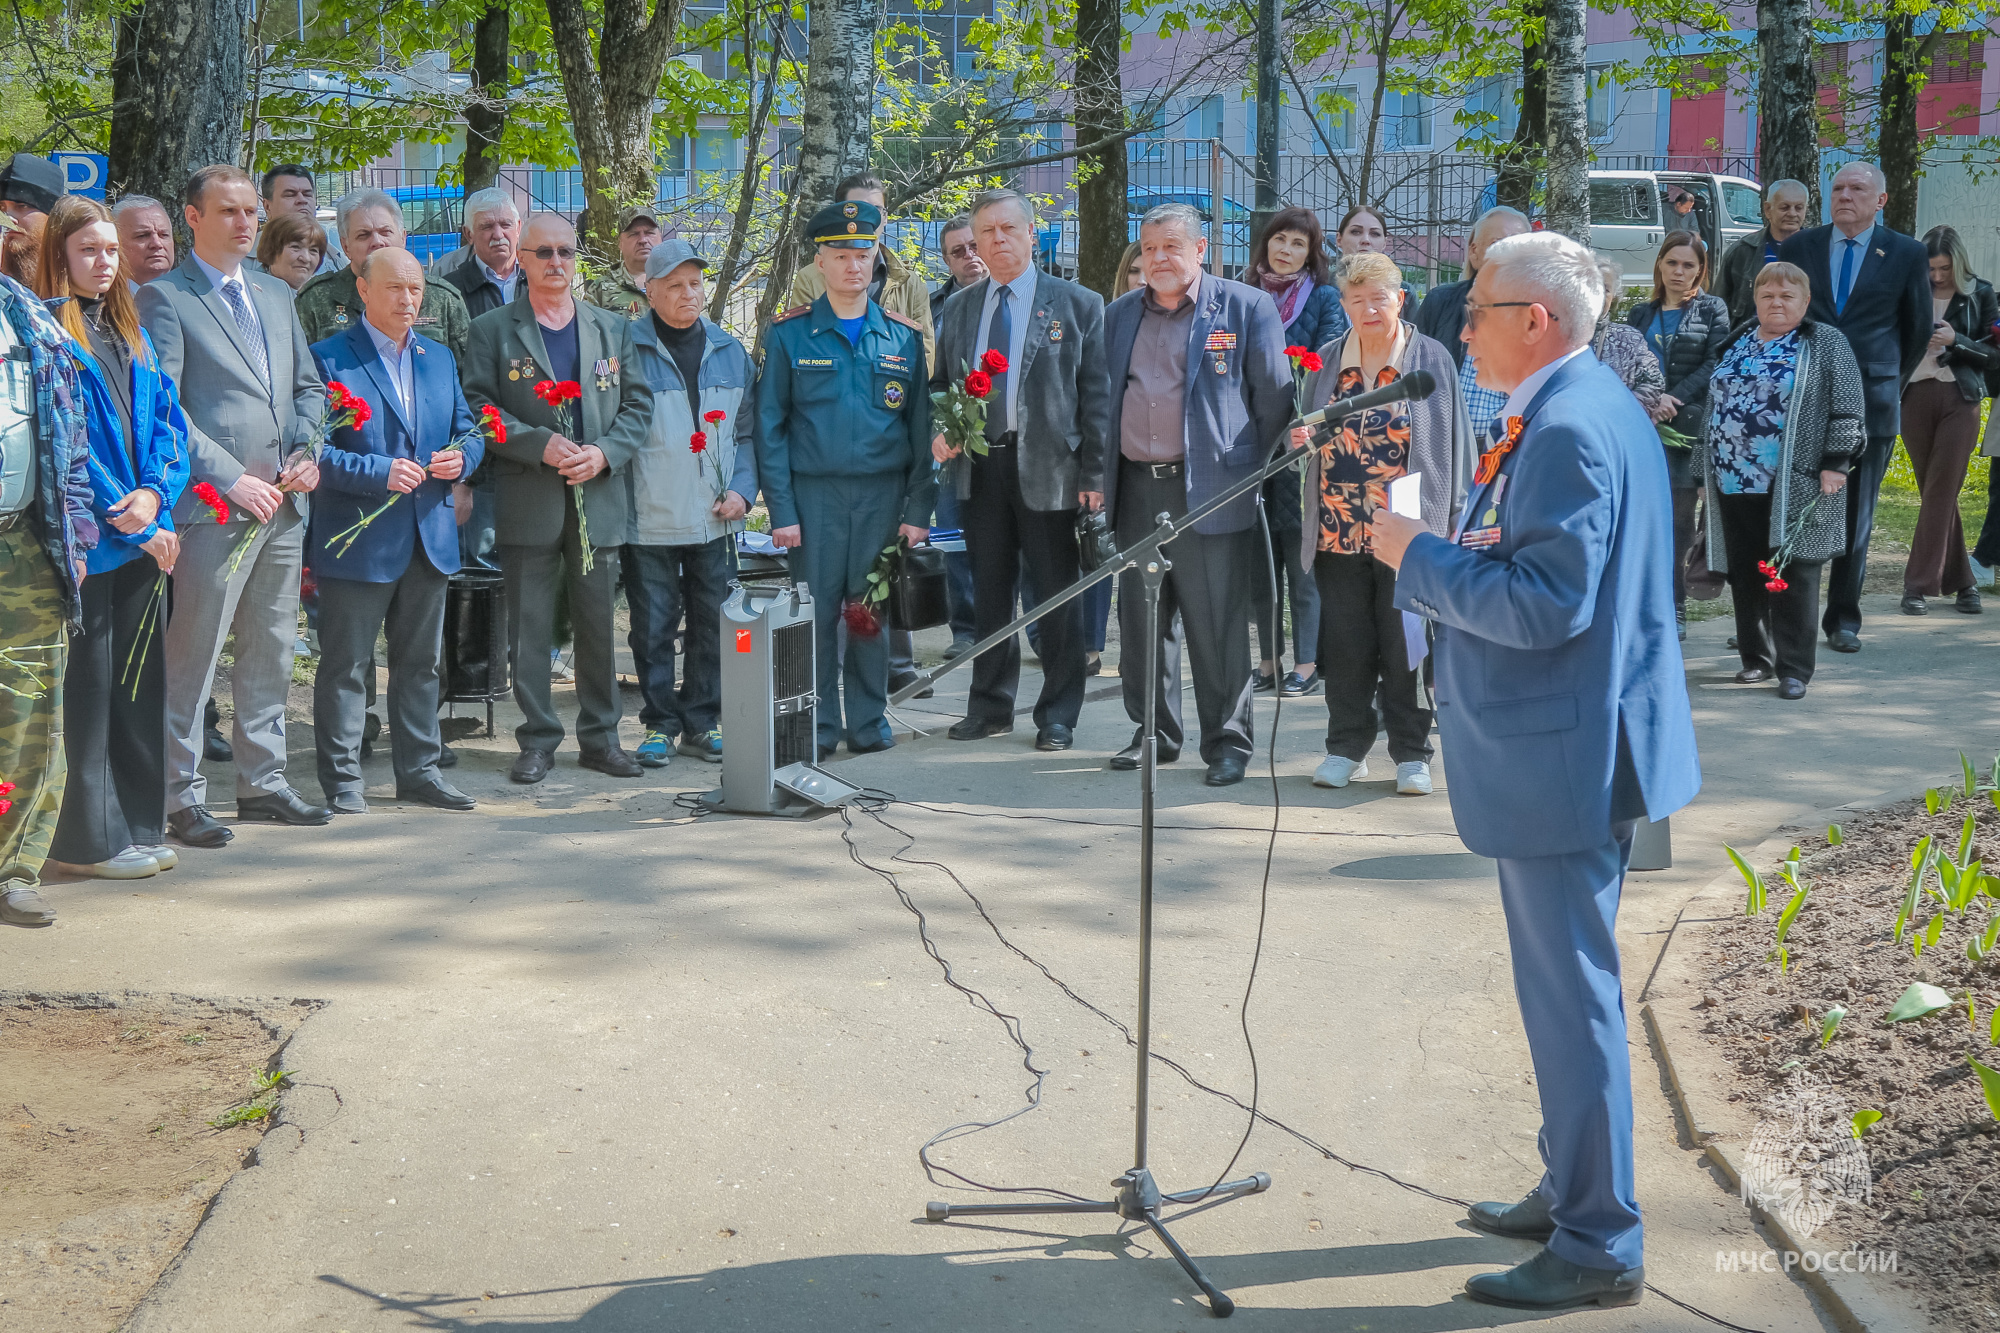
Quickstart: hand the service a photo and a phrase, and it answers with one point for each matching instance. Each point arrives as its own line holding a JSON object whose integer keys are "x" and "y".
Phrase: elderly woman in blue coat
{"x": 114, "y": 806}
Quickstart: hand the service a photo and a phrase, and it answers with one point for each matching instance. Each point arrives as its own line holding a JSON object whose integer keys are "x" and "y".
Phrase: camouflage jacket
{"x": 330, "y": 303}
{"x": 618, "y": 293}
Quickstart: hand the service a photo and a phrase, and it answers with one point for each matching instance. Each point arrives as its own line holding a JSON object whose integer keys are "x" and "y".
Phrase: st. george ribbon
{"x": 1139, "y": 1198}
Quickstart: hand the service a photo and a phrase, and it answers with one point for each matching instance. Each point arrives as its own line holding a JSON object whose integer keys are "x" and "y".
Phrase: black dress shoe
{"x": 1844, "y": 641}
{"x": 826, "y": 752}
{"x": 1128, "y": 758}
{"x": 283, "y": 806}
{"x": 440, "y": 794}
{"x": 979, "y": 728}
{"x": 612, "y": 762}
{"x": 1549, "y": 1282}
{"x": 1527, "y": 1220}
{"x": 1297, "y": 686}
{"x": 1226, "y": 771}
{"x": 1732, "y": 641}
{"x": 213, "y": 747}
{"x": 902, "y": 678}
{"x": 1054, "y": 736}
{"x": 447, "y": 757}
{"x": 1791, "y": 687}
{"x": 1914, "y": 605}
{"x": 371, "y": 731}
{"x": 1752, "y": 675}
{"x": 1967, "y": 601}
{"x": 532, "y": 766}
{"x": 347, "y": 803}
{"x": 876, "y": 748}
{"x": 1263, "y": 683}
{"x": 196, "y": 827}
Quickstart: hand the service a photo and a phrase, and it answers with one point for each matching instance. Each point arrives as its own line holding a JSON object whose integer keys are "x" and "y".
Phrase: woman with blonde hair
{"x": 114, "y": 705}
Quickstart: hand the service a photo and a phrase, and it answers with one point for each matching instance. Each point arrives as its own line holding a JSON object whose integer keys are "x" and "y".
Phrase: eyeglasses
{"x": 1473, "y": 309}
{"x": 547, "y": 252}
{"x": 966, "y": 251}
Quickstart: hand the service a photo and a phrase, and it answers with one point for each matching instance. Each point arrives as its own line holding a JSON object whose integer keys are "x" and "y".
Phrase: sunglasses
{"x": 547, "y": 252}
{"x": 966, "y": 251}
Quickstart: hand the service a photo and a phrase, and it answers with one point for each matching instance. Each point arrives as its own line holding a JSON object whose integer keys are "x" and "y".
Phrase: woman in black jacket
{"x": 1941, "y": 423}
{"x": 1686, "y": 327}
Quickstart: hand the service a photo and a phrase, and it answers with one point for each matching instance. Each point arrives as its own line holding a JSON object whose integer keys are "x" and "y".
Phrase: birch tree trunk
{"x": 165, "y": 124}
{"x": 1568, "y": 122}
{"x": 1788, "y": 98}
{"x": 486, "y": 120}
{"x": 1522, "y": 159}
{"x": 1100, "y": 113}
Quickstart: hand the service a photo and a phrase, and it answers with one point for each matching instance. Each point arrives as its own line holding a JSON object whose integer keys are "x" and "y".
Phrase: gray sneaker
{"x": 22, "y": 905}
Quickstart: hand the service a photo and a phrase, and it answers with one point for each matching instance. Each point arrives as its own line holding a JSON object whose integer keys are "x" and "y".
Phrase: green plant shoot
{"x": 1785, "y": 919}
{"x": 1919, "y": 1001}
{"x": 1989, "y": 1083}
{"x": 1831, "y": 1024}
{"x": 1757, "y": 896}
{"x": 1933, "y": 800}
{"x": 1834, "y": 837}
{"x": 1862, "y": 1120}
{"x": 1964, "y": 843}
{"x": 1920, "y": 860}
{"x": 1965, "y": 766}
{"x": 1993, "y": 1036}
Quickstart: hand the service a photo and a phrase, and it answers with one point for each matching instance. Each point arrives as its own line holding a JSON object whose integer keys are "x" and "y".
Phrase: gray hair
{"x": 1557, "y": 273}
{"x": 1874, "y": 173}
{"x": 1184, "y": 216}
{"x": 490, "y": 200}
{"x": 1797, "y": 187}
{"x": 1501, "y": 213}
{"x": 366, "y": 197}
{"x": 991, "y": 198}
{"x": 135, "y": 201}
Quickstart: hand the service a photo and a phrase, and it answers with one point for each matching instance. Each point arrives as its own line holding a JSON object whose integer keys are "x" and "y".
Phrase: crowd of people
{"x": 191, "y": 441}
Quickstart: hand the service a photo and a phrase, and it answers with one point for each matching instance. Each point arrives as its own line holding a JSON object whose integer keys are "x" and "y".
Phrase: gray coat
{"x": 1441, "y": 441}
{"x": 1064, "y": 399}
{"x": 1825, "y": 430}
{"x": 673, "y": 488}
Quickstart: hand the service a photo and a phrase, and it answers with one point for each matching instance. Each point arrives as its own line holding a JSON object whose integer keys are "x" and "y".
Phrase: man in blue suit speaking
{"x": 1563, "y": 714}
{"x": 392, "y": 574}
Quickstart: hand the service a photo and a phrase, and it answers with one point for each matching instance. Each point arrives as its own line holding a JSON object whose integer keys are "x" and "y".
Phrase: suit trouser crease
{"x": 1204, "y": 605}
{"x": 1296, "y": 584}
{"x": 663, "y": 584}
{"x": 1846, "y": 573}
{"x": 114, "y": 726}
{"x": 845, "y": 523}
{"x": 259, "y": 604}
{"x": 1774, "y": 630}
{"x": 1363, "y": 659}
{"x": 31, "y": 720}
{"x": 1006, "y": 538}
{"x": 534, "y": 576}
{"x": 409, "y": 613}
{"x": 1940, "y": 431}
{"x": 1562, "y": 916}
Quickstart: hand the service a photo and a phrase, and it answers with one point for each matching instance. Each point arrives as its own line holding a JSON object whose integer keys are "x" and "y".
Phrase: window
{"x": 1830, "y": 62}
{"x": 1959, "y": 58}
{"x": 1411, "y": 126}
{"x": 1200, "y": 122}
{"x": 1336, "y": 124}
{"x": 1150, "y": 121}
{"x": 1624, "y": 203}
{"x": 1744, "y": 202}
{"x": 714, "y": 150}
{"x": 965, "y": 65}
{"x": 1495, "y": 98}
{"x": 1602, "y": 102}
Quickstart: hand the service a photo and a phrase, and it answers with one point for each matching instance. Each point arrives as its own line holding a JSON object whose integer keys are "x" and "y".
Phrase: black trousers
{"x": 115, "y": 736}
{"x": 1846, "y": 573}
{"x": 1007, "y": 541}
{"x": 1362, "y": 658}
{"x": 1774, "y": 630}
{"x": 1210, "y": 589}
{"x": 1684, "y": 498}
{"x": 1284, "y": 511}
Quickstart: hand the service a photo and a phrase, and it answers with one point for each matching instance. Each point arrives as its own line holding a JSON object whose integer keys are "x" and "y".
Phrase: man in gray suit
{"x": 254, "y": 401}
{"x": 1200, "y": 395}
{"x": 1045, "y": 421}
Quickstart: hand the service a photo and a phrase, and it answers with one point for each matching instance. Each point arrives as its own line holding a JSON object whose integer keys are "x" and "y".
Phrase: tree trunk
{"x": 1568, "y": 121}
{"x": 837, "y": 127}
{"x": 164, "y": 124}
{"x": 1788, "y": 98}
{"x": 1901, "y": 153}
{"x": 1521, "y": 160}
{"x": 1101, "y": 228}
{"x": 486, "y": 119}
{"x": 1270, "y": 114}
{"x": 611, "y": 106}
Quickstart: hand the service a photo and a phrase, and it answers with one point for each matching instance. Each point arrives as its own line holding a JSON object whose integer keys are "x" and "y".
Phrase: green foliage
{"x": 1834, "y": 837}
{"x": 1920, "y": 865}
{"x": 1785, "y": 919}
{"x": 1861, "y": 1121}
{"x": 1989, "y": 1083}
{"x": 1971, "y": 782}
{"x": 1758, "y": 893}
{"x": 260, "y": 1105}
{"x": 1830, "y": 1024}
{"x": 1934, "y": 800}
{"x": 1920, "y": 1001}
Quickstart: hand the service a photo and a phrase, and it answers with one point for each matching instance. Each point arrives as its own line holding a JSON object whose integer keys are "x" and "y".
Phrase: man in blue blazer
{"x": 1563, "y": 712}
{"x": 393, "y": 572}
{"x": 1872, "y": 284}
{"x": 1200, "y": 395}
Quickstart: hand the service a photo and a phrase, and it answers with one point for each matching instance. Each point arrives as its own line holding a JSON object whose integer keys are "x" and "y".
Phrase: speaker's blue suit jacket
{"x": 354, "y": 465}
{"x": 1561, "y": 700}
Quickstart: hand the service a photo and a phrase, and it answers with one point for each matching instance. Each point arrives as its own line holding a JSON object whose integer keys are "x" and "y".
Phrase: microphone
{"x": 1417, "y": 385}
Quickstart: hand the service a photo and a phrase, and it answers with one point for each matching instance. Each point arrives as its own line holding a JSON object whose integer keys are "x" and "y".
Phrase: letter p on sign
{"x": 742, "y": 640}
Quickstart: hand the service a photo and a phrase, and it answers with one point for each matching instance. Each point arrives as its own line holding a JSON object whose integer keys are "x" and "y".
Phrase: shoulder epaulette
{"x": 904, "y": 320}
{"x": 793, "y": 313}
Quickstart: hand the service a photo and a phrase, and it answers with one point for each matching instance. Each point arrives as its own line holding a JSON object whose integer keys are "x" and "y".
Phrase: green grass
{"x": 1896, "y": 510}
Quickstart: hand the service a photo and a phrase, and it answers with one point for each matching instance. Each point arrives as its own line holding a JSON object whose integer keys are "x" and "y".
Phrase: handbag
{"x": 918, "y": 594}
{"x": 1096, "y": 543}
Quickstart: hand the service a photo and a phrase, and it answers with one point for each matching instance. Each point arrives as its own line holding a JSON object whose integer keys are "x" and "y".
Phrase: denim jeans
{"x": 663, "y": 583}
{"x": 957, "y": 564}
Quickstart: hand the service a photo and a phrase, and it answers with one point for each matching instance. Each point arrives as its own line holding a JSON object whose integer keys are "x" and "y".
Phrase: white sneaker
{"x": 163, "y": 856}
{"x": 128, "y": 864}
{"x": 1338, "y": 770}
{"x": 1413, "y": 779}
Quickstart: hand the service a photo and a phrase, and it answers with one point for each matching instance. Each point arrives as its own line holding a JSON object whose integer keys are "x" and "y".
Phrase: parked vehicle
{"x": 1630, "y": 214}
{"x": 431, "y": 217}
{"x": 1057, "y": 240}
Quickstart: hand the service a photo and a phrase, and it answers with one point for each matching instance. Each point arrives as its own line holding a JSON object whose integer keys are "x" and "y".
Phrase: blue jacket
{"x": 1561, "y": 699}
{"x": 673, "y": 488}
{"x": 1319, "y": 321}
{"x": 354, "y": 465}
{"x": 1888, "y": 316}
{"x": 159, "y": 446}
{"x": 1231, "y": 419}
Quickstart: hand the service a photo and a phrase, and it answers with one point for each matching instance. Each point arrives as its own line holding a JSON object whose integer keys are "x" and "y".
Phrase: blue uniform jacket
{"x": 158, "y": 458}
{"x": 1561, "y": 699}
{"x": 1231, "y": 419}
{"x": 829, "y": 408}
{"x": 354, "y": 465}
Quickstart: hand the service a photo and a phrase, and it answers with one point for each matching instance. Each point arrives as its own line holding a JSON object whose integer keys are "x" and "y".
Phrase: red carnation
{"x": 993, "y": 363}
{"x": 359, "y": 407}
{"x": 860, "y": 620}
{"x": 489, "y": 417}
{"x": 979, "y": 384}
{"x": 567, "y": 390}
{"x": 1311, "y": 361}
{"x": 1776, "y": 585}
{"x": 208, "y": 495}
{"x": 698, "y": 441}
{"x": 1295, "y": 351}
{"x": 713, "y": 417}
{"x": 6, "y": 789}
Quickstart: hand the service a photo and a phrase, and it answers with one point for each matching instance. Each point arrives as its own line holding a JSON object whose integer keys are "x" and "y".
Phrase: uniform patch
{"x": 812, "y": 363}
{"x": 892, "y": 395}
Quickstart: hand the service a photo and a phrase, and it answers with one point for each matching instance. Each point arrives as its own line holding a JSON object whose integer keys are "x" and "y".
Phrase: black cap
{"x": 851, "y": 224}
{"x": 34, "y": 181}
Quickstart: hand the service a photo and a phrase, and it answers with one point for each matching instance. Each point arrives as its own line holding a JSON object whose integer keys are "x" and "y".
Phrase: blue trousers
{"x": 1562, "y": 913}
{"x": 663, "y": 583}
{"x": 846, "y": 521}
{"x": 957, "y": 564}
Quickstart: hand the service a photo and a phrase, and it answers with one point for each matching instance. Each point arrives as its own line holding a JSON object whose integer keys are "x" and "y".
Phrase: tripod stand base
{"x": 1139, "y": 1200}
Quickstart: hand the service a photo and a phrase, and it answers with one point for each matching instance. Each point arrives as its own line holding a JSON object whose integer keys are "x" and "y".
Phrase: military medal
{"x": 603, "y": 372}
{"x": 1055, "y": 330}
{"x": 892, "y": 395}
{"x": 1221, "y": 366}
{"x": 340, "y": 314}
{"x": 514, "y": 368}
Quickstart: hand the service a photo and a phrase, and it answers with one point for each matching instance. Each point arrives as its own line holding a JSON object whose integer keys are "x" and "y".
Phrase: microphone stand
{"x": 1139, "y": 1198}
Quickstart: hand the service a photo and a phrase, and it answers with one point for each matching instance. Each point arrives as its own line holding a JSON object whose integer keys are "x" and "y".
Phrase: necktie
{"x": 253, "y": 337}
{"x": 999, "y": 337}
{"x": 1845, "y": 286}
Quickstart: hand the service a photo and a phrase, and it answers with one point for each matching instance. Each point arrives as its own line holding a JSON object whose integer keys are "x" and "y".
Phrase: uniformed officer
{"x": 622, "y": 291}
{"x": 843, "y": 448}
{"x": 330, "y": 304}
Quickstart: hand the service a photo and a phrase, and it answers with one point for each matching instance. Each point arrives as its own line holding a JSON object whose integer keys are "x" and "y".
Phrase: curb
{"x": 1856, "y": 1304}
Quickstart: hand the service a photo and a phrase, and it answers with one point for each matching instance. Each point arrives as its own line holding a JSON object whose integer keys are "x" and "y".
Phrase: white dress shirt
{"x": 1020, "y": 309}
{"x": 402, "y": 365}
{"x": 218, "y": 278}
{"x": 506, "y": 284}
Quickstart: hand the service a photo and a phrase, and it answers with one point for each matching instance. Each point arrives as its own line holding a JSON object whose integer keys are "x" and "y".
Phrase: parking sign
{"x": 84, "y": 172}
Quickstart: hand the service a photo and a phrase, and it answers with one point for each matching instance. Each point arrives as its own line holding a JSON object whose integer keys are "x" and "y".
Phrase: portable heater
{"x": 769, "y": 761}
